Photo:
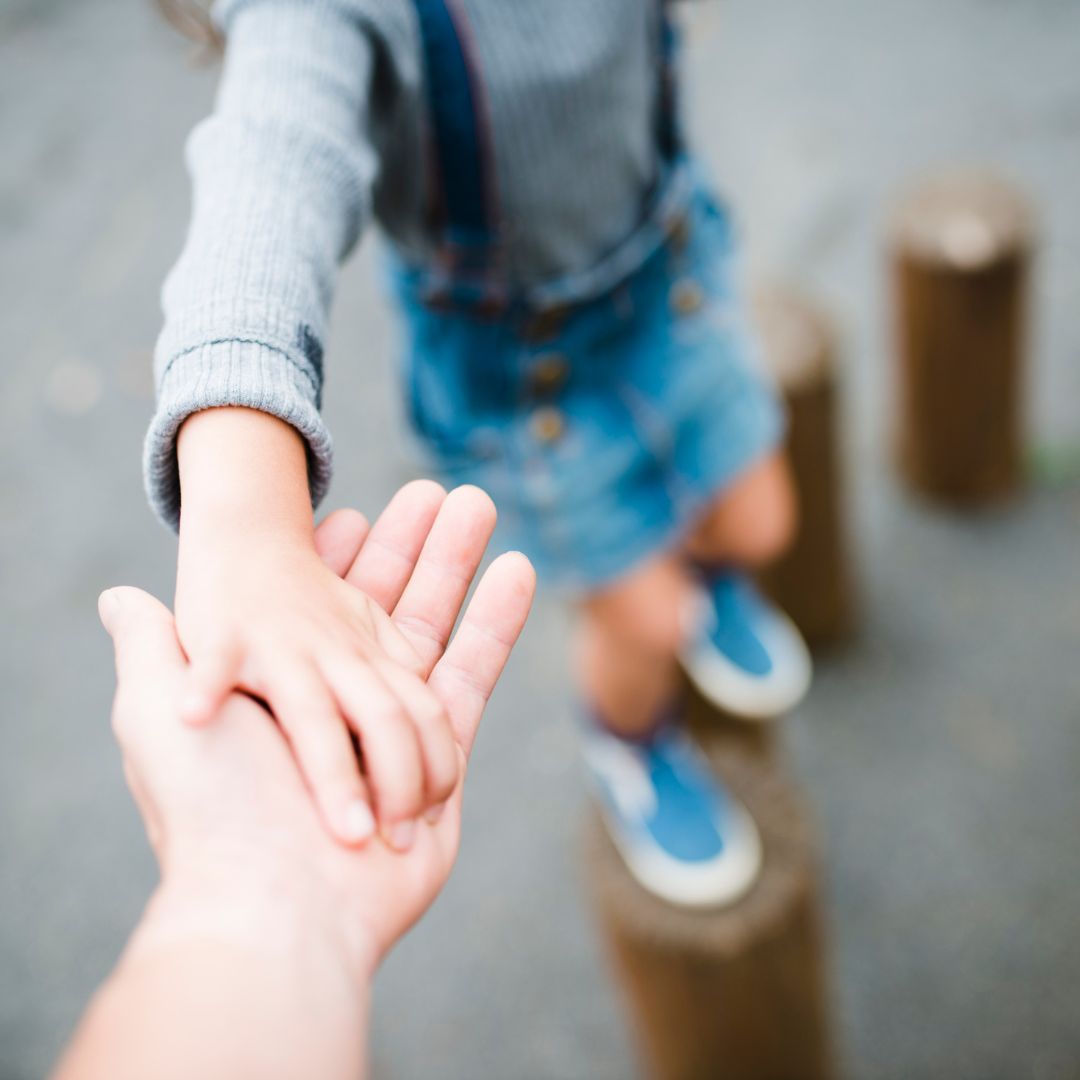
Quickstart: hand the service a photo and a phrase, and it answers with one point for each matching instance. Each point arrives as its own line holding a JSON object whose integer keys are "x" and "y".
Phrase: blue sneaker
{"x": 681, "y": 834}
{"x": 742, "y": 653}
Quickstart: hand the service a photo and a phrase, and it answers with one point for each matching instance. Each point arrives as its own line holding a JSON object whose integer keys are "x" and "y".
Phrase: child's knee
{"x": 643, "y": 614}
{"x": 754, "y": 522}
{"x": 768, "y": 530}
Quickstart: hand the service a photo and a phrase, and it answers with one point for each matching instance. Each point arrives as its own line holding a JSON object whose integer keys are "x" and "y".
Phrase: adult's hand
{"x": 246, "y": 864}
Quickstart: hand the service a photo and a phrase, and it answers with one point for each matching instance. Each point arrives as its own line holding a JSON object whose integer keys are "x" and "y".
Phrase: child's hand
{"x": 270, "y": 618}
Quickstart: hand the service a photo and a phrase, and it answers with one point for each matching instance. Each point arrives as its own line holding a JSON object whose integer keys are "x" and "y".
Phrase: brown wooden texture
{"x": 740, "y": 992}
{"x": 960, "y": 252}
{"x": 813, "y": 582}
{"x": 730, "y": 735}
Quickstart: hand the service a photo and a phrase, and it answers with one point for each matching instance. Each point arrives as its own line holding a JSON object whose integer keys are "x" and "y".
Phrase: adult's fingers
{"x": 386, "y": 560}
{"x": 432, "y": 599}
{"x": 320, "y": 741}
{"x": 339, "y": 537}
{"x": 438, "y": 754}
{"x": 143, "y": 635}
{"x": 474, "y": 659}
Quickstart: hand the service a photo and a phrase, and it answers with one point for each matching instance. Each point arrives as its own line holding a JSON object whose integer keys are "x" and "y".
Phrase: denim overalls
{"x": 601, "y": 412}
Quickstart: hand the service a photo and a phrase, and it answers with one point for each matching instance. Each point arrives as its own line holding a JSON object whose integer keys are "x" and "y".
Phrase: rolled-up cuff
{"x": 247, "y": 373}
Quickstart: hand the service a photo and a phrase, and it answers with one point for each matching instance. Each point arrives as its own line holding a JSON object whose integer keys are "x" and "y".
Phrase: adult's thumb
{"x": 143, "y": 633}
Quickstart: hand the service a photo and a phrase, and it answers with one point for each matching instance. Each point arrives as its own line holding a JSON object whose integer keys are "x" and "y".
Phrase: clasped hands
{"x": 248, "y": 866}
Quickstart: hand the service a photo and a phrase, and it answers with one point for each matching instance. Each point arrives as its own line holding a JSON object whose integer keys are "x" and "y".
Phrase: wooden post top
{"x": 796, "y": 335}
{"x": 963, "y": 220}
{"x": 790, "y": 871}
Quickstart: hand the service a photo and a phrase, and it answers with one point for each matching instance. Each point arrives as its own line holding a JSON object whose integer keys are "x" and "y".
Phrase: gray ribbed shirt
{"x": 321, "y": 125}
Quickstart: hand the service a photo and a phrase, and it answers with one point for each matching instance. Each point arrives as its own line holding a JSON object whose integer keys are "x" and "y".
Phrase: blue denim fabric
{"x": 659, "y": 411}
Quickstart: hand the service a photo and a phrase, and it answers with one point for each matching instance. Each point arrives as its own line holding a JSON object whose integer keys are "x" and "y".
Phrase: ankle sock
{"x": 670, "y": 714}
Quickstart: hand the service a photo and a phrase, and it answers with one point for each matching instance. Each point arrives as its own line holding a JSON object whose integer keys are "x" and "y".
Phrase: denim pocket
{"x": 451, "y": 391}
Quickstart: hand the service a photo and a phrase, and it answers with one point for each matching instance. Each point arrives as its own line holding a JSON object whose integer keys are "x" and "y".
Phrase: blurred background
{"x": 940, "y": 747}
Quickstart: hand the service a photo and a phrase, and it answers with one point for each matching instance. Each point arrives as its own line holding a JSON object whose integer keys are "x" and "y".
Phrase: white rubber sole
{"x": 747, "y": 696}
{"x": 717, "y": 883}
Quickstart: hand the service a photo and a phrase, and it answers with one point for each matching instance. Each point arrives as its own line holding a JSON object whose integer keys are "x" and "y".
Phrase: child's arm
{"x": 281, "y": 176}
{"x": 281, "y": 179}
{"x": 257, "y": 608}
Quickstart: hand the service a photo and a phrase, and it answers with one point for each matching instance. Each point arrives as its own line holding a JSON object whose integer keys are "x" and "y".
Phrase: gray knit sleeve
{"x": 282, "y": 173}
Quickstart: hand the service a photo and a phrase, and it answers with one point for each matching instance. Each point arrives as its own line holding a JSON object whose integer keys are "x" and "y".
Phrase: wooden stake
{"x": 813, "y": 581}
{"x": 739, "y": 992}
{"x": 961, "y": 246}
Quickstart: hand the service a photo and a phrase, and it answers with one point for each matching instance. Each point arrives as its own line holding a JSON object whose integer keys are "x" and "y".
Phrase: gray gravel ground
{"x": 942, "y": 749}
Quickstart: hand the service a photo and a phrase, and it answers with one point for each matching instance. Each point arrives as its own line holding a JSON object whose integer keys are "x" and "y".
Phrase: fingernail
{"x": 359, "y": 822}
{"x": 435, "y": 813}
{"x": 400, "y": 836}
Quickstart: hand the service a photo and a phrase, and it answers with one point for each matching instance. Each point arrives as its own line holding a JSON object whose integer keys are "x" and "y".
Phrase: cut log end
{"x": 960, "y": 251}
{"x": 737, "y": 992}
{"x": 787, "y": 874}
{"x": 963, "y": 220}
{"x": 813, "y": 581}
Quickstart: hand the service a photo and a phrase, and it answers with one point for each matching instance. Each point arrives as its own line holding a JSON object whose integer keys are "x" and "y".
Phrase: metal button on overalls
{"x": 547, "y": 424}
{"x": 679, "y": 234}
{"x": 548, "y": 374}
{"x": 544, "y": 325}
{"x": 686, "y": 296}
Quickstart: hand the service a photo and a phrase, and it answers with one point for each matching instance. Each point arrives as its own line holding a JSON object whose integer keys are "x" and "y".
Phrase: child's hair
{"x": 192, "y": 19}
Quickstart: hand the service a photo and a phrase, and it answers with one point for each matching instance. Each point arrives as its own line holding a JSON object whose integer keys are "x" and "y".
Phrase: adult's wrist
{"x": 192, "y": 996}
{"x": 272, "y": 912}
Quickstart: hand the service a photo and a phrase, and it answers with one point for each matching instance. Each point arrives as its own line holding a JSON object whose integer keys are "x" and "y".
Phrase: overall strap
{"x": 669, "y": 133}
{"x": 463, "y": 194}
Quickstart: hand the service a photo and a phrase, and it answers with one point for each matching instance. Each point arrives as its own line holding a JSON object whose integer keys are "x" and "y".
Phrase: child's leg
{"x": 752, "y": 522}
{"x": 746, "y": 656}
{"x": 633, "y": 631}
{"x": 681, "y": 834}
{"x": 630, "y": 636}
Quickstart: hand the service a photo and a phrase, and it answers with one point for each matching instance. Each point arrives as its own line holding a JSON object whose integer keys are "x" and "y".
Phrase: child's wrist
{"x": 243, "y": 526}
{"x": 243, "y": 475}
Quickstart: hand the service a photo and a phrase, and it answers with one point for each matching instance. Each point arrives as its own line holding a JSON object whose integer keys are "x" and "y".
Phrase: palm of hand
{"x": 337, "y": 662}
{"x": 228, "y": 798}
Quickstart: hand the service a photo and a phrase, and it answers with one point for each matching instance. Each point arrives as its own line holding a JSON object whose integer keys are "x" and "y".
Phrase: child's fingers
{"x": 474, "y": 659}
{"x": 386, "y": 561}
{"x": 388, "y": 741}
{"x": 438, "y": 752}
{"x": 339, "y": 537}
{"x": 212, "y": 676}
{"x": 432, "y": 600}
{"x": 320, "y": 742}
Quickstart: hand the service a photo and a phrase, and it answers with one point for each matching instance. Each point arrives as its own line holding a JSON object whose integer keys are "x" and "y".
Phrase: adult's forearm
{"x": 205, "y": 996}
